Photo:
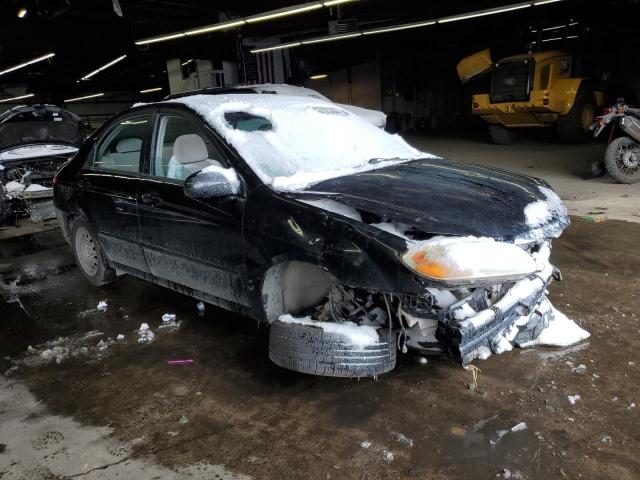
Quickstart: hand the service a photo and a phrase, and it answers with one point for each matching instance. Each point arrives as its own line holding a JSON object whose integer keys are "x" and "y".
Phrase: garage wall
{"x": 364, "y": 90}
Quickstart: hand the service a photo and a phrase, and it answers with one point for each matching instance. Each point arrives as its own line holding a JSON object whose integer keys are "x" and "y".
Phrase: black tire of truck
{"x": 89, "y": 255}
{"x": 574, "y": 127}
{"x": 500, "y": 135}
{"x": 309, "y": 349}
{"x": 623, "y": 170}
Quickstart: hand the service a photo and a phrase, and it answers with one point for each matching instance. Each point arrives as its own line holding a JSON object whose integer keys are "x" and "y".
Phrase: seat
{"x": 190, "y": 155}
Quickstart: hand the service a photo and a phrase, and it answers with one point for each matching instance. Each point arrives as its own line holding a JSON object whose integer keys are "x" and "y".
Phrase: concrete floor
{"x": 122, "y": 412}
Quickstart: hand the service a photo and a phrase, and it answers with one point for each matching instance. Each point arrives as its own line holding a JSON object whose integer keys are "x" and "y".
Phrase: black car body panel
{"x": 442, "y": 197}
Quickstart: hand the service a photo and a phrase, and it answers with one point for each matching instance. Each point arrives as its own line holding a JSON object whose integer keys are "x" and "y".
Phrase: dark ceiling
{"x": 86, "y": 34}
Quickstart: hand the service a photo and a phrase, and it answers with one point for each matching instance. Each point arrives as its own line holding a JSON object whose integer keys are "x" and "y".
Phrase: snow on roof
{"x": 303, "y": 140}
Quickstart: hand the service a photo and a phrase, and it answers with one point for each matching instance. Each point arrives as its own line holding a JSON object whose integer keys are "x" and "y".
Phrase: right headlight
{"x": 468, "y": 260}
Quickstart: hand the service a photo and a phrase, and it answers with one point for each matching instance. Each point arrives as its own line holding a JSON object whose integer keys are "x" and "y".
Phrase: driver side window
{"x": 182, "y": 149}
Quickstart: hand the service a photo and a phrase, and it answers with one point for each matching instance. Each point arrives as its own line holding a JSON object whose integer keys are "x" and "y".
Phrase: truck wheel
{"x": 500, "y": 135}
{"x": 622, "y": 160}
{"x": 309, "y": 349}
{"x": 89, "y": 256}
{"x": 574, "y": 127}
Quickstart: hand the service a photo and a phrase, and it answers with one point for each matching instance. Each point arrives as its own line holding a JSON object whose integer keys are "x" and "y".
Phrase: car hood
{"x": 441, "y": 197}
{"x": 36, "y": 150}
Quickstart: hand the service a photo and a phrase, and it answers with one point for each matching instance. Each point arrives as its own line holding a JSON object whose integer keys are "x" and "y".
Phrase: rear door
{"x": 107, "y": 188}
{"x": 196, "y": 243}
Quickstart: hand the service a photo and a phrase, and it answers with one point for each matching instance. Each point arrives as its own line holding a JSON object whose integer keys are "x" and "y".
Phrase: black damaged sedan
{"x": 350, "y": 243}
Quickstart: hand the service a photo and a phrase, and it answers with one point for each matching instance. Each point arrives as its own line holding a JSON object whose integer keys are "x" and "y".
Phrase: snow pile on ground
{"x": 13, "y": 188}
{"x": 543, "y": 211}
{"x": 145, "y": 335}
{"x": 561, "y": 332}
{"x": 32, "y": 151}
{"x": 360, "y": 336}
{"x": 169, "y": 322}
{"x": 102, "y": 306}
{"x": 81, "y": 345}
{"x": 468, "y": 257}
{"x": 302, "y": 140}
{"x": 335, "y": 207}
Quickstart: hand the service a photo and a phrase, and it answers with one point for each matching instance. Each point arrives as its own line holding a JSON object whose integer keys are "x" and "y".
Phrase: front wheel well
{"x": 294, "y": 286}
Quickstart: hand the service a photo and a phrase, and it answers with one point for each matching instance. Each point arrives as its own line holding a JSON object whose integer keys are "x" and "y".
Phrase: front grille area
{"x": 511, "y": 82}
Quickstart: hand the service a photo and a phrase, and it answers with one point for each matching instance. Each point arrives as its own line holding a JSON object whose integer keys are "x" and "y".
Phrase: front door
{"x": 107, "y": 188}
{"x": 192, "y": 242}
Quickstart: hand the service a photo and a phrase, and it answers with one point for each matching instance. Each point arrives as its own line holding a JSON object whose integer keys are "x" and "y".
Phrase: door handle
{"x": 150, "y": 198}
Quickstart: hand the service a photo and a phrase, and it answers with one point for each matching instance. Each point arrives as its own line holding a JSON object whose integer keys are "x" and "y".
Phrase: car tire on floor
{"x": 309, "y": 349}
{"x": 89, "y": 256}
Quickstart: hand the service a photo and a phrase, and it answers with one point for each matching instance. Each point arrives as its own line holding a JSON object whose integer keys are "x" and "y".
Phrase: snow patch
{"x": 35, "y": 187}
{"x": 102, "y": 306}
{"x": 335, "y": 207}
{"x": 145, "y": 335}
{"x": 308, "y": 140}
{"x": 229, "y": 173}
{"x": 169, "y": 322}
{"x": 33, "y": 151}
{"x": 542, "y": 212}
{"x": 561, "y": 332}
{"x": 360, "y": 336}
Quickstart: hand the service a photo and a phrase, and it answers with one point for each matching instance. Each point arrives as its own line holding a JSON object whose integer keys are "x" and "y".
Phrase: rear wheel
{"x": 622, "y": 160}
{"x": 500, "y": 135}
{"x": 89, "y": 255}
{"x": 309, "y": 349}
{"x": 574, "y": 127}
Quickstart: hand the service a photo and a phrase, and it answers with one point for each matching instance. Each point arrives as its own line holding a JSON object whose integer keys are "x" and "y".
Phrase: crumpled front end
{"x": 470, "y": 323}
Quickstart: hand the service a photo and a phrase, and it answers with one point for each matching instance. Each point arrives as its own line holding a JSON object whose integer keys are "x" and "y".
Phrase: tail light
{"x": 54, "y": 181}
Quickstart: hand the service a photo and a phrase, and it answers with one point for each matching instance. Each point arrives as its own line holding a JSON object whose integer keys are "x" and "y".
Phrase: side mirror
{"x": 212, "y": 182}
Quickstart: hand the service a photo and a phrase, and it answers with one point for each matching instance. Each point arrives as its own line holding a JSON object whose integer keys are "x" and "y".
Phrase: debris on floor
{"x": 201, "y": 308}
{"x": 387, "y": 455}
{"x": 573, "y": 399}
{"x": 145, "y": 335}
{"x": 169, "y": 322}
{"x": 180, "y": 362}
{"x": 520, "y": 426}
{"x": 365, "y": 444}
{"x": 102, "y": 306}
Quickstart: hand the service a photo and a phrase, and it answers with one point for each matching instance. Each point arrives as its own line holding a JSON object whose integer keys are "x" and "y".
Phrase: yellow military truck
{"x": 533, "y": 90}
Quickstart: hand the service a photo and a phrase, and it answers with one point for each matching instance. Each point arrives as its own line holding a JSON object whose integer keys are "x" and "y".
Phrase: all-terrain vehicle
{"x": 35, "y": 140}
{"x": 533, "y": 90}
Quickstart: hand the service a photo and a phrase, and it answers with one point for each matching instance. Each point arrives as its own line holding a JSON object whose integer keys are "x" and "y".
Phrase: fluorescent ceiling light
{"x": 77, "y": 99}
{"x": 22, "y": 12}
{"x": 557, "y": 27}
{"x": 318, "y": 77}
{"x": 283, "y": 12}
{"x": 482, "y": 13}
{"x": 276, "y": 47}
{"x": 22, "y": 65}
{"x": 331, "y": 38}
{"x": 400, "y": 27}
{"x": 572, "y": 36}
{"x": 214, "y": 28}
{"x": 336, "y": 2}
{"x": 405, "y": 26}
{"x": 104, "y": 67}
{"x": 261, "y": 17}
{"x": 149, "y": 90}
{"x": 184, "y": 64}
{"x": 3, "y": 100}
{"x": 551, "y": 39}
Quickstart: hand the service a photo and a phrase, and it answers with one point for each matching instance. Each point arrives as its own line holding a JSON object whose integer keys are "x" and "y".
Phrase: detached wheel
{"x": 500, "y": 135}
{"x": 89, "y": 255}
{"x": 309, "y": 349}
{"x": 622, "y": 160}
{"x": 574, "y": 127}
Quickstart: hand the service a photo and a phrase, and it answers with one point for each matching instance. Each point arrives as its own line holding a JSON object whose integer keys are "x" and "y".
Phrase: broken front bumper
{"x": 515, "y": 319}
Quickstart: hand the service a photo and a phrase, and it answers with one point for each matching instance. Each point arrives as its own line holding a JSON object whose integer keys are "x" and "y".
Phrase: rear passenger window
{"x": 121, "y": 149}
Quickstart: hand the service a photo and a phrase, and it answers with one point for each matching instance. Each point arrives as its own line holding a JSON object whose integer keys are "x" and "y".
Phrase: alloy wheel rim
{"x": 87, "y": 252}
{"x": 628, "y": 159}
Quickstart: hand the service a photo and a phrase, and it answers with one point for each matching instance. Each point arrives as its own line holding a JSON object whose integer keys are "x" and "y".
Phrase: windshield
{"x": 38, "y": 126}
{"x": 291, "y": 142}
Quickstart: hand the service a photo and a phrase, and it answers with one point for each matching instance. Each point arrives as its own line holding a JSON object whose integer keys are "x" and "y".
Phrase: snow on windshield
{"x": 299, "y": 141}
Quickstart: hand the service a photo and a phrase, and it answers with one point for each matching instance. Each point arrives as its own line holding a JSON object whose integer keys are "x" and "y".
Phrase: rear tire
{"x": 622, "y": 160}
{"x": 500, "y": 135}
{"x": 309, "y": 349}
{"x": 89, "y": 256}
{"x": 574, "y": 127}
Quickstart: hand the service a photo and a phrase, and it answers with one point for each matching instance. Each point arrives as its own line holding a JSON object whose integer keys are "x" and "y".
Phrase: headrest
{"x": 128, "y": 145}
{"x": 190, "y": 148}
